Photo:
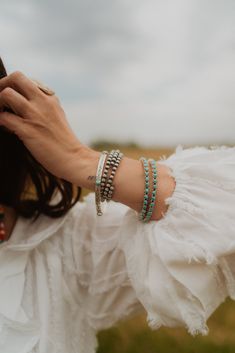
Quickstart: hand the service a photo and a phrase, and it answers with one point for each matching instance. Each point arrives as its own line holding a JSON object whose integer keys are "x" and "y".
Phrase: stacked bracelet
{"x": 148, "y": 203}
{"x": 104, "y": 187}
{"x": 146, "y": 190}
{"x": 154, "y": 191}
{"x": 108, "y": 188}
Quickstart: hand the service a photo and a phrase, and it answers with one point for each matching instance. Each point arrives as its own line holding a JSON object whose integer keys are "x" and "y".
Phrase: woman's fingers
{"x": 20, "y": 83}
{"x": 13, "y": 123}
{"x": 15, "y": 101}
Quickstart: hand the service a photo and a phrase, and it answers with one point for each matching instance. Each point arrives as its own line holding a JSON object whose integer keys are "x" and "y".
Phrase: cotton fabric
{"x": 64, "y": 279}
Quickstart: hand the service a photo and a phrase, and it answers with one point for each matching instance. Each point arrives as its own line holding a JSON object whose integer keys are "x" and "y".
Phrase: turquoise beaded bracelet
{"x": 154, "y": 191}
{"x": 146, "y": 190}
{"x": 146, "y": 212}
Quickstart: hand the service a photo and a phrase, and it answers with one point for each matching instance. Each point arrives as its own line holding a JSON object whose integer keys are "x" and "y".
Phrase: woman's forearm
{"x": 128, "y": 181}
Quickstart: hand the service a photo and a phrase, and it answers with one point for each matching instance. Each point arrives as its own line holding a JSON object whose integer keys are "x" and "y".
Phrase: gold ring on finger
{"x": 43, "y": 88}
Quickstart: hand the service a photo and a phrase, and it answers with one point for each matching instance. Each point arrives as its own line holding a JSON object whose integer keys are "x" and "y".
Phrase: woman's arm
{"x": 40, "y": 122}
{"x": 129, "y": 180}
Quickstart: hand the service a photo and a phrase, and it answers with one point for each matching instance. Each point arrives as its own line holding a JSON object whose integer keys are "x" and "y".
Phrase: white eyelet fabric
{"x": 64, "y": 279}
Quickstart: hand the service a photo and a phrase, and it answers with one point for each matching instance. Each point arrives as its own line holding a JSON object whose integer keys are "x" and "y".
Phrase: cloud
{"x": 153, "y": 71}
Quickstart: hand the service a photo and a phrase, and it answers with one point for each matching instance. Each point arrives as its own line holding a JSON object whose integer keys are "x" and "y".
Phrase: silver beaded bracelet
{"x": 104, "y": 187}
{"x": 112, "y": 163}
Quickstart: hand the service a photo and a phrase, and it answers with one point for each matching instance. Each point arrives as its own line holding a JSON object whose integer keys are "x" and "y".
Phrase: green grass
{"x": 134, "y": 336}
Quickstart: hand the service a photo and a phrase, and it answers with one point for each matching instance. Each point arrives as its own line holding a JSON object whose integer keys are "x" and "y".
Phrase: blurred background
{"x": 154, "y": 72}
{"x": 145, "y": 76}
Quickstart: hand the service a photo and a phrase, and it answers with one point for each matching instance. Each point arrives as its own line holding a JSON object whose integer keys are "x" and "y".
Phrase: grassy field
{"x": 134, "y": 336}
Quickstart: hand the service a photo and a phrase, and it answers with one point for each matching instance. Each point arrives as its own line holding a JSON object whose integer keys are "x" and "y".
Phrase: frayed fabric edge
{"x": 200, "y": 328}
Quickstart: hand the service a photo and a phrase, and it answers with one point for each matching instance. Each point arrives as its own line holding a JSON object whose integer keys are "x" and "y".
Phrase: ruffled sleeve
{"x": 178, "y": 270}
{"x": 101, "y": 264}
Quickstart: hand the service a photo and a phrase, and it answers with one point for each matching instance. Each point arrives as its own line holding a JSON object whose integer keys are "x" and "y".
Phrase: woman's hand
{"x": 40, "y": 122}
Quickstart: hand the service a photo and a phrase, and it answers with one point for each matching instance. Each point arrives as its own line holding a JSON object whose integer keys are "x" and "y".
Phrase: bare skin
{"x": 40, "y": 122}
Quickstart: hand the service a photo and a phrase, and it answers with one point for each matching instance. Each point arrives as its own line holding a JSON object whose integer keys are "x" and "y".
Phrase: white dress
{"x": 62, "y": 280}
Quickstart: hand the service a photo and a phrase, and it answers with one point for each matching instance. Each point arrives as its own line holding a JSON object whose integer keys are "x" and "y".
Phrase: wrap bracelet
{"x": 104, "y": 187}
{"x": 146, "y": 189}
{"x": 148, "y": 202}
{"x": 108, "y": 188}
{"x": 154, "y": 191}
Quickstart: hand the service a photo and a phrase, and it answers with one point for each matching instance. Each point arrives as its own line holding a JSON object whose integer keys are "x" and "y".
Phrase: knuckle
{"x": 16, "y": 76}
{"x": 7, "y": 92}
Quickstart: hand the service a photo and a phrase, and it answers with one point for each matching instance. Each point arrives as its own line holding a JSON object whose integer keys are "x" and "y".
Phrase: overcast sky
{"x": 155, "y": 72}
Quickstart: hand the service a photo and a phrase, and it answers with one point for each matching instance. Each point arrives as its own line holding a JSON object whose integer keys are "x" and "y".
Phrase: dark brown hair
{"x": 25, "y": 184}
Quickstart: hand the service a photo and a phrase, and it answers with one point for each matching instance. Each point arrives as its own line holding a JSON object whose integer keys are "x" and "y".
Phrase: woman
{"x": 66, "y": 272}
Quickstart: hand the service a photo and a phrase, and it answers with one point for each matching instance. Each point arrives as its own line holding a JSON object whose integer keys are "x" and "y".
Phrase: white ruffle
{"x": 181, "y": 267}
{"x": 178, "y": 269}
{"x": 18, "y": 332}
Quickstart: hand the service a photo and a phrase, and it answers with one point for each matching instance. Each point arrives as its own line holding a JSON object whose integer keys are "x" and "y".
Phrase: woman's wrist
{"x": 81, "y": 168}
